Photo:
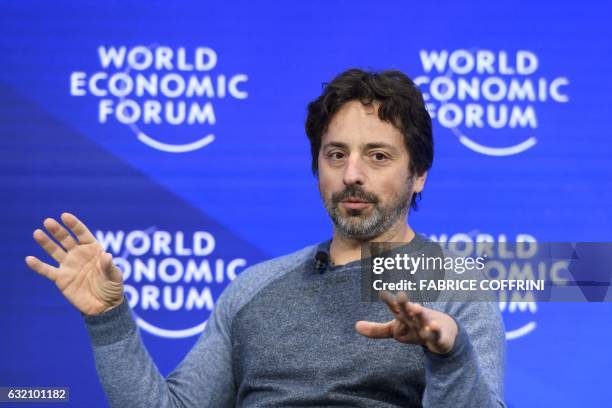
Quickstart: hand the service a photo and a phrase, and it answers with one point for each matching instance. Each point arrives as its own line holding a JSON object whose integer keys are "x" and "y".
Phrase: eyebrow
{"x": 335, "y": 144}
{"x": 380, "y": 145}
{"x": 367, "y": 146}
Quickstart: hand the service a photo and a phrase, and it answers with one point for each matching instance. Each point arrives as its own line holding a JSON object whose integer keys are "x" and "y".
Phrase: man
{"x": 293, "y": 331}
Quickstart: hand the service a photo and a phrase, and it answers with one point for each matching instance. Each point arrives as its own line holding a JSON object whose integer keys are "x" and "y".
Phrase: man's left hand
{"x": 413, "y": 324}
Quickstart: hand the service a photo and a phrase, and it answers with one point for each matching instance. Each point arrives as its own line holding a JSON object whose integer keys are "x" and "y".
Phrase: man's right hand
{"x": 86, "y": 275}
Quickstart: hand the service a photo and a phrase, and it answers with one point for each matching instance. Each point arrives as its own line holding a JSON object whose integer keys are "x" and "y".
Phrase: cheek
{"x": 324, "y": 187}
{"x": 389, "y": 189}
{"x": 329, "y": 182}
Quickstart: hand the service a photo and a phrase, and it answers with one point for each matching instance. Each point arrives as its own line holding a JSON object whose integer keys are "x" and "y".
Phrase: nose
{"x": 354, "y": 172}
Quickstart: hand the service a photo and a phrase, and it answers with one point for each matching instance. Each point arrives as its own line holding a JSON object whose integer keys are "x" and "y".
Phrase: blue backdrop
{"x": 175, "y": 132}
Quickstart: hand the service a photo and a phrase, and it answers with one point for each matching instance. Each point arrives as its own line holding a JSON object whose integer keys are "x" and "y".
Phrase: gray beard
{"x": 359, "y": 226}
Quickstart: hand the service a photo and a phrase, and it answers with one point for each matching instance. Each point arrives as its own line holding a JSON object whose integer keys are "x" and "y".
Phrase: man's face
{"x": 364, "y": 176}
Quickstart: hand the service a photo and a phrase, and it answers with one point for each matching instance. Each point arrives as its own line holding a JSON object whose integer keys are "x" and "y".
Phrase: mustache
{"x": 353, "y": 191}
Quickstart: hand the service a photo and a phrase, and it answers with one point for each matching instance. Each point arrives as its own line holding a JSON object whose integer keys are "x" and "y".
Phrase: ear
{"x": 419, "y": 182}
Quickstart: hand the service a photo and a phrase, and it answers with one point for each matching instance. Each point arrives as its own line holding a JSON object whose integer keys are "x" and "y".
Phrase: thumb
{"x": 375, "y": 330}
{"x": 109, "y": 268}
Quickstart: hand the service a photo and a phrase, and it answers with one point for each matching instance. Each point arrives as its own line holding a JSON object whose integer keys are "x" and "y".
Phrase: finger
{"x": 402, "y": 302}
{"x": 405, "y": 332}
{"x": 402, "y": 297}
{"x": 51, "y": 247}
{"x": 109, "y": 268}
{"x": 78, "y": 228}
{"x": 375, "y": 330}
{"x": 60, "y": 234}
{"x": 418, "y": 313}
{"x": 413, "y": 310}
{"x": 42, "y": 268}
{"x": 431, "y": 332}
{"x": 391, "y": 304}
{"x": 406, "y": 315}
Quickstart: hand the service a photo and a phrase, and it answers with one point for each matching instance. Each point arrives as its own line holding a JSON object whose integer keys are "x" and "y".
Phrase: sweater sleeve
{"x": 472, "y": 373}
{"x": 131, "y": 379}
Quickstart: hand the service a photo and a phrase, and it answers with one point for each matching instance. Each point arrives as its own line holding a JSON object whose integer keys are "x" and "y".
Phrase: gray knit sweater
{"x": 282, "y": 334}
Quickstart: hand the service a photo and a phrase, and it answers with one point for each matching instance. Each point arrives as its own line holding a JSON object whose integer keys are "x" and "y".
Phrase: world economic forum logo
{"x": 172, "y": 280}
{"x": 519, "y": 308}
{"x": 488, "y": 100}
{"x": 163, "y": 95}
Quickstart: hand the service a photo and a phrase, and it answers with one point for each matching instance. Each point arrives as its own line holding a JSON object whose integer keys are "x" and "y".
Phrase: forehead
{"x": 357, "y": 125}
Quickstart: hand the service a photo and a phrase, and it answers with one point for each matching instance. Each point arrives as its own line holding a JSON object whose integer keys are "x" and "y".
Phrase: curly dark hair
{"x": 400, "y": 103}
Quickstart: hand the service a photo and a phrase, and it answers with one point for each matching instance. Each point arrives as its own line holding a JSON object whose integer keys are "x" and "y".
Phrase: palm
{"x": 80, "y": 276}
{"x": 86, "y": 275}
{"x": 402, "y": 332}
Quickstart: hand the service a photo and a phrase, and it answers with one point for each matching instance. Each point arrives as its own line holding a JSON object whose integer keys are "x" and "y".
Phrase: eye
{"x": 379, "y": 156}
{"x": 336, "y": 155}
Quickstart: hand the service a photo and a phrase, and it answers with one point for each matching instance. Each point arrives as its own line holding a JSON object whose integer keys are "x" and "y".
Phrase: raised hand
{"x": 86, "y": 275}
{"x": 413, "y": 323}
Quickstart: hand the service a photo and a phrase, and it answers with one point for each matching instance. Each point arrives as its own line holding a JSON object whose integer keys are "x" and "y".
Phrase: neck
{"x": 343, "y": 250}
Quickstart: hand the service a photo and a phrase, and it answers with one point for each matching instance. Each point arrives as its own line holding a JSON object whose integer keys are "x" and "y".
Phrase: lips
{"x": 355, "y": 200}
{"x": 354, "y": 204}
